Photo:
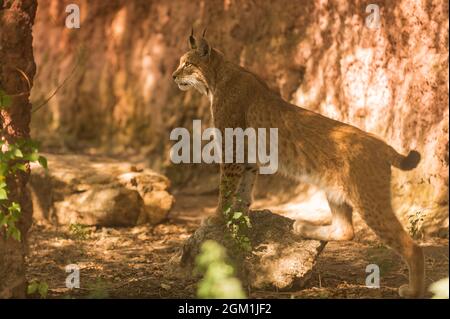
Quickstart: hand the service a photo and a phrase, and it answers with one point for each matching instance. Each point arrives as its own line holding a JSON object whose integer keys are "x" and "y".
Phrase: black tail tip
{"x": 411, "y": 161}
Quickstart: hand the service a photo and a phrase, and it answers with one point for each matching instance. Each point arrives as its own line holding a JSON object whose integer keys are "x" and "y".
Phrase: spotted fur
{"x": 350, "y": 165}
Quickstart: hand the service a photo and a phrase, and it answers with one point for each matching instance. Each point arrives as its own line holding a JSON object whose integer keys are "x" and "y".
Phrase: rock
{"x": 153, "y": 190}
{"x": 103, "y": 205}
{"x": 279, "y": 259}
{"x": 98, "y": 191}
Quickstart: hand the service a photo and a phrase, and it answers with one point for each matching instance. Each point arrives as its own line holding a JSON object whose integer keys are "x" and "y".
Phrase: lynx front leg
{"x": 230, "y": 176}
{"x": 243, "y": 198}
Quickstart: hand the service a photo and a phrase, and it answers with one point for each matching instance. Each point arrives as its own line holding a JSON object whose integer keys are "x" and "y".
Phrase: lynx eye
{"x": 187, "y": 64}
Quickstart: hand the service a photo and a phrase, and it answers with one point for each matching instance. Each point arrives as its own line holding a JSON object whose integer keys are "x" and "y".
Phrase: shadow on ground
{"x": 143, "y": 261}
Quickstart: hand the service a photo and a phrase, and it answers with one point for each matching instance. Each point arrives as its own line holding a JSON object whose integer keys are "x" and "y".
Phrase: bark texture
{"x": 16, "y": 56}
{"x": 391, "y": 81}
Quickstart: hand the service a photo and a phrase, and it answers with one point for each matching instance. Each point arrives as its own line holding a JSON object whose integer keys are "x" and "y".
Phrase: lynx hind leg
{"x": 341, "y": 227}
{"x": 376, "y": 210}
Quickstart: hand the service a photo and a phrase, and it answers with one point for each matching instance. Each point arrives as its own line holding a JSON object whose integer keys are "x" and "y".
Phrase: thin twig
{"x": 57, "y": 89}
{"x": 64, "y": 82}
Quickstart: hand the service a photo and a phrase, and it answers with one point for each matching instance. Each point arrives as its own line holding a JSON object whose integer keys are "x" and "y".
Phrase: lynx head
{"x": 194, "y": 66}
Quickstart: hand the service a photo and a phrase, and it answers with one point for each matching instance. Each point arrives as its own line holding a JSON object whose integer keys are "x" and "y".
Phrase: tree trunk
{"x": 17, "y": 69}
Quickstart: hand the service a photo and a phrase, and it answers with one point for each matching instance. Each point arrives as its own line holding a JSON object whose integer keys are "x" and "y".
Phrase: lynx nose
{"x": 174, "y": 75}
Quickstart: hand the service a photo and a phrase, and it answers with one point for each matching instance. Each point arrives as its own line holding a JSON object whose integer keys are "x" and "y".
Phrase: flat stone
{"x": 279, "y": 258}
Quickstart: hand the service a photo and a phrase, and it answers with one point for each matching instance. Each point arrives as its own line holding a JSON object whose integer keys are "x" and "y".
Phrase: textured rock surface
{"x": 279, "y": 260}
{"x": 391, "y": 81}
{"x": 98, "y": 191}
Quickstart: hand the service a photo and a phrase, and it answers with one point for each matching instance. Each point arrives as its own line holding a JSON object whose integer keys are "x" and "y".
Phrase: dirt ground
{"x": 142, "y": 262}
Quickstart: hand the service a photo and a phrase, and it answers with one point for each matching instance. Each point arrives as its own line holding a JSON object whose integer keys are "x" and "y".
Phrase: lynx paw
{"x": 324, "y": 232}
{"x": 301, "y": 228}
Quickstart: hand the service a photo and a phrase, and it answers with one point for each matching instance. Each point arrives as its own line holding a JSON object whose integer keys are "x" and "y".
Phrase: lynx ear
{"x": 192, "y": 42}
{"x": 203, "y": 47}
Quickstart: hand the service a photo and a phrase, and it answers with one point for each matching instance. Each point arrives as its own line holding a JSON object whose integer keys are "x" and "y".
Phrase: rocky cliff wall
{"x": 391, "y": 80}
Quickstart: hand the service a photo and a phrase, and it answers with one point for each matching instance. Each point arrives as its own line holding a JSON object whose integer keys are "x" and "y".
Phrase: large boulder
{"x": 278, "y": 260}
{"x": 98, "y": 191}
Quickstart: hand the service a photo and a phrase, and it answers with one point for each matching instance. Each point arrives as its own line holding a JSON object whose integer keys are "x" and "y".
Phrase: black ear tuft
{"x": 192, "y": 43}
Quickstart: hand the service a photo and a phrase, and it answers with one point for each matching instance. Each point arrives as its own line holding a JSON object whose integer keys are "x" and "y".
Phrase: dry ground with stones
{"x": 143, "y": 261}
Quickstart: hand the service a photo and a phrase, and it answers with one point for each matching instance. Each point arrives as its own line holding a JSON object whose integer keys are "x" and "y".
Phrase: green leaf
{"x": 32, "y": 287}
{"x": 3, "y": 219}
{"x": 15, "y": 233}
{"x": 3, "y": 194}
{"x": 43, "y": 289}
{"x": 237, "y": 215}
{"x": 17, "y": 153}
{"x": 14, "y": 211}
{"x": 227, "y": 210}
{"x": 43, "y": 162}
{"x": 15, "y": 207}
{"x": 33, "y": 157}
{"x": 32, "y": 144}
{"x": 5, "y": 100}
{"x": 20, "y": 166}
{"x": 3, "y": 170}
{"x": 247, "y": 221}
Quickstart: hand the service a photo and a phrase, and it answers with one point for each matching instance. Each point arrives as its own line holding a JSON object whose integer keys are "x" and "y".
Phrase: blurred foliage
{"x": 219, "y": 281}
{"x": 14, "y": 157}
{"x": 36, "y": 287}
{"x": 440, "y": 289}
